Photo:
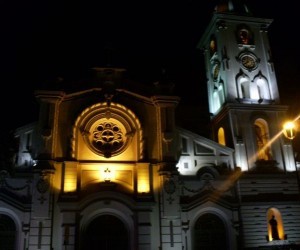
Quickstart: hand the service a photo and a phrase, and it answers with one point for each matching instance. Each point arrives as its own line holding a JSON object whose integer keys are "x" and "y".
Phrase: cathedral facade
{"x": 107, "y": 167}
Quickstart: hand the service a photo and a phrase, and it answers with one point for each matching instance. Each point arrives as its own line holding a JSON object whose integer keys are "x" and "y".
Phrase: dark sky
{"x": 42, "y": 40}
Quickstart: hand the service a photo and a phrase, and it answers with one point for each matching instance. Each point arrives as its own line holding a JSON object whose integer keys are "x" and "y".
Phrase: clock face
{"x": 249, "y": 62}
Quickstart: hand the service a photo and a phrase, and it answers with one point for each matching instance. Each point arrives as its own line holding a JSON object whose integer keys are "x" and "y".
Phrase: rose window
{"x": 107, "y": 137}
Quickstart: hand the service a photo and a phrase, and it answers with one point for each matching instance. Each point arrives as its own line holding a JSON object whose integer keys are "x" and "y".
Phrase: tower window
{"x": 262, "y": 140}
{"x": 212, "y": 45}
{"x": 244, "y": 35}
{"x": 221, "y": 136}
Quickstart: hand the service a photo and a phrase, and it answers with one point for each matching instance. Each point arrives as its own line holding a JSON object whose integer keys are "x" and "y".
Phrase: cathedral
{"x": 107, "y": 166}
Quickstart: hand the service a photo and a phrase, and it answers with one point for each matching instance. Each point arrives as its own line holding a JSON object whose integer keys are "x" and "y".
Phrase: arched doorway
{"x": 7, "y": 233}
{"x": 106, "y": 232}
{"x": 210, "y": 233}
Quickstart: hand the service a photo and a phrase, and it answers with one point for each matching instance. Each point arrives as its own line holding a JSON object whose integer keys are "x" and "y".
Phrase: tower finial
{"x": 232, "y": 6}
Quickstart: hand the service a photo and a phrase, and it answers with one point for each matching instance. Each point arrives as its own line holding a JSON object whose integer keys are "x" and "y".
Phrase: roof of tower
{"x": 232, "y": 6}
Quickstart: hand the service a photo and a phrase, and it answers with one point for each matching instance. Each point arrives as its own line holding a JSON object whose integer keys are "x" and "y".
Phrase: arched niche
{"x": 104, "y": 131}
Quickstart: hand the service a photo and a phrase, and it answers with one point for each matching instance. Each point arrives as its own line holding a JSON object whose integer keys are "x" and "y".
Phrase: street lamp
{"x": 289, "y": 130}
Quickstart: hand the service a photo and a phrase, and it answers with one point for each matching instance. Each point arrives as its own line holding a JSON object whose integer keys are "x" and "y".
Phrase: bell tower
{"x": 243, "y": 96}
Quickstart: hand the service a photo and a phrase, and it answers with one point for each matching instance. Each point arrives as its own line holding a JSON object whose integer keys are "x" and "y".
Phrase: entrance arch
{"x": 7, "y": 232}
{"x": 210, "y": 233}
{"x": 105, "y": 232}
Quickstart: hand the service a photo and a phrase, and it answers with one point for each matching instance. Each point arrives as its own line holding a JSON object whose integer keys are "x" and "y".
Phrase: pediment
{"x": 196, "y": 152}
{"x": 199, "y": 145}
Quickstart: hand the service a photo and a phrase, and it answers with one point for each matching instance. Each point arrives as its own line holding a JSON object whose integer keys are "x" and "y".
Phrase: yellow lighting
{"x": 280, "y": 228}
{"x": 143, "y": 179}
{"x": 70, "y": 187}
{"x": 221, "y": 136}
{"x": 280, "y": 232}
{"x": 143, "y": 186}
{"x": 70, "y": 181}
{"x": 107, "y": 174}
{"x": 289, "y": 130}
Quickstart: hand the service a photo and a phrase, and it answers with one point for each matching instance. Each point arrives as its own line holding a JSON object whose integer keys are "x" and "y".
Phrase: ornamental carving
{"x": 106, "y": 131}
{"x": 42, "y": 185}
{"x": 169, "y": 186}
{"x": 107, "y": 136}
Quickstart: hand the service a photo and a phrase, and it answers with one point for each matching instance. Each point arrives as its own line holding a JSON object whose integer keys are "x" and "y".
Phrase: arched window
{"x": 216, "y": 100}
{"x": 258, "y": 89}
{"x": 221, "y": 136}
{"x": 275, "y": 225}
{"x": 213, "y": 45}
{"x": 254, "y": 91}
{"x": 244, "y": 35}
{"x": 262, "y": 140}
{"x": 221, "y": 93}
{"x": 243, "y": 86}
{"x": 218, "y": 96}
{"x": 263, "y": 87}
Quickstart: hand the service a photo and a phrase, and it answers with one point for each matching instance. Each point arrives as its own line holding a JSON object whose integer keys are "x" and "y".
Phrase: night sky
{"x": 44, "y": 40}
